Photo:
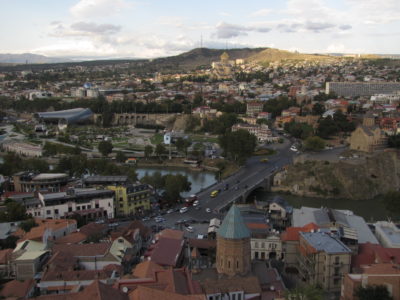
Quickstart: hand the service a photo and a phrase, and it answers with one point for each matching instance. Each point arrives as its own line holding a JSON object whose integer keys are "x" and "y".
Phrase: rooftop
{"x": 233, "y": 226}
{"x": 322, "y": 241}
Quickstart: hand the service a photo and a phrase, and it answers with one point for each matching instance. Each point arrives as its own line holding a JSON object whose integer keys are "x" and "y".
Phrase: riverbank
{"x": 227, "y": 168}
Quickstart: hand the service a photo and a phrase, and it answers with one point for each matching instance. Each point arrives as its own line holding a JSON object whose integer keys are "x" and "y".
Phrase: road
{"x": 251, "y": 172}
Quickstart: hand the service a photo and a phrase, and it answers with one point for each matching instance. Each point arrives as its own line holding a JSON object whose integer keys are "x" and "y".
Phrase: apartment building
{"x": 323, "y": 259}
{"x": 90, "y": 204}
{"x": 353, "y": 89}
{"x": 131, "y": 199}
{"x": 30, "y": 182}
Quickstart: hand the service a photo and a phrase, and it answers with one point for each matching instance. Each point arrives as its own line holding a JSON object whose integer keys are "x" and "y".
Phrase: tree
{"x": 308, "y": 292}
{"x": 182, "y": 145}
{"x": 14, "y": 212}
{"x": 148, "y": 151}
{"x": 105, "y": 147}
{"x": 314, "y": 143}
{"x": 174, "y": 185}
{"x": 373, "y": 293}
{"x": 238, "y": 145}
{"x": 326, "y": 127}
{"x": 394, "y": 141}
{"x": 28, "y": 224}
{"x": 318, "y": 109}
{"x": 392, "y": 202}
{"x": 160, "y": 150}
{"x": 299, "y": 130}
{"x": 120, "y": 157}
{"x": 156, "y": 180}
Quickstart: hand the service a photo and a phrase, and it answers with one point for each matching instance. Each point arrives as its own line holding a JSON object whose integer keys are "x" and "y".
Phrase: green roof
{"x": 233, "y": 226}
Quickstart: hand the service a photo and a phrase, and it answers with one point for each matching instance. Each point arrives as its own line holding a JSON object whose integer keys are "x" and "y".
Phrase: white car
{"x": 183, "y": 210}
{"x": 208, "y": 210}
{"x": 190, "y": 229}
{"x": 170, "y": 211}
{"x": 293, "y": 148}
{"x": 195, "y": 203}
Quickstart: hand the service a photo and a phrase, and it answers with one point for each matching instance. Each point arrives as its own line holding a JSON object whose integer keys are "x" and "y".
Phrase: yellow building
{"x": 131, "y": 199}
{"x": 367, "y": 139}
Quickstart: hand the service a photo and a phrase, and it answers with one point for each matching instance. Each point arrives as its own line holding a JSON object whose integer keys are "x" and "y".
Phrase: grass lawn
{"x": 157, "y": 139}
{"x": 204, "y": 138}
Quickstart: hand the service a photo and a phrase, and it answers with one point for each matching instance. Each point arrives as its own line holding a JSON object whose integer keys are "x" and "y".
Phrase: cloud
{"x": 345, "y": 27}
{"x": 375, "y": 11}
{"x": 318, "y": 26}
{"x": 261, "y": 12}
{"x": 226, "y": 31}
{"x": 98, "y": 8}
{"x": 95, "y": 28}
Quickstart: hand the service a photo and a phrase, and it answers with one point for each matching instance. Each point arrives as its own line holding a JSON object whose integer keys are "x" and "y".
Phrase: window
{"x": 78, "y": 208}
{"x": 56, "y": 211}
{"x": 337, "y": 260}
{"x": 237, "y": 264}
{"x": 262, "y": 245}
{"x": 96, "y": 205}
{"x": 229, "y": 264}
{"x": 256, "y": 245}
{"x": 83, "y": 206}
{"x": 89, "y": 207}
{"x": 256, "y": 255}
{"x": 336, "y": 281}
{"x": 48, "y": 212}
{"x": 239, "y": 296}
{"x": 69, "y": 209}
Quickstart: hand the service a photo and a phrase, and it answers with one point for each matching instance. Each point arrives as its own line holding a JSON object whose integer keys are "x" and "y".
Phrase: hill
{"x": 198, "y": 58}
{"x": 29, "y": 58}
{"x": 271, "y": 55}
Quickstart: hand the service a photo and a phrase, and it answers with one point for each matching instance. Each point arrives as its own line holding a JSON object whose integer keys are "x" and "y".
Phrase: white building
{"x": 88, "y": 203}
{"x": 262, "y": 132}
{"x": 388, "y": 234}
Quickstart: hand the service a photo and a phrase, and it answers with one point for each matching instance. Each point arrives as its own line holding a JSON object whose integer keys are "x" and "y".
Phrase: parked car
{"x": 170, "y": 211}
{"x": 190, "y": 229}
{"x": 183, "y": 210}
{"x": 208, "y": 210}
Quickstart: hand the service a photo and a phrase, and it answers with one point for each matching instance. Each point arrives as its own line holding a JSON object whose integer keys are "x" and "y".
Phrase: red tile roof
{"x": 373, "y": 253}
{"x": 16, "y": 288}
{"x": 292, "y": 233}
{"x": 146, "y": 293}
{"x": 77, "y": 250}
{"x": 167, "y": 251}
{"x": 95, "y": 291}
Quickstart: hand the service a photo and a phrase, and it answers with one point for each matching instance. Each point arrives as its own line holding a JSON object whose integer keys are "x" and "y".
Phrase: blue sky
{"x": 153, "y": 28}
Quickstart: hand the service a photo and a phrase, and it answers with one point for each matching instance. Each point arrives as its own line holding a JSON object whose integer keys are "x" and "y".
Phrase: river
{"x": 199, "y": 180}
{"x": 370, "y": 210}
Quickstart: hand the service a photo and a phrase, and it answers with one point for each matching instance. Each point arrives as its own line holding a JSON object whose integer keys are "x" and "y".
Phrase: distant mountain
{"x": 30, "y": 59}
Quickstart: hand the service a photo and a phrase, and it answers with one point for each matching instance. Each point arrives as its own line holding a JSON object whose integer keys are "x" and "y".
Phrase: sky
{"x": 154, "y": 28}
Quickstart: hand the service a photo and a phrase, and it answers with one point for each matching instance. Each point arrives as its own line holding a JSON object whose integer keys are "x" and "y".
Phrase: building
{"x": 388, "y": 234}
{"x": 352, "y": 229}
{"x": 386, "y": 274}
{"x": 22, "y": 148}
{"x": 353, "y": 89}
{"x": 367, "y": 139}
{"x": 131, "y": 199}
{"x": 253, "y": 108}
{"x": 90, "y": 204}
{"x": 233, "y": 245}
{"x": 30, "y": 182}
{"x": 290, "y": 239}
{"x": 323, "y": 260}
{"x": 262, "y": 132}
{"x": 102, "y": 181}
{"x": 65, "y": 117}
{"x": 223, "y": 68}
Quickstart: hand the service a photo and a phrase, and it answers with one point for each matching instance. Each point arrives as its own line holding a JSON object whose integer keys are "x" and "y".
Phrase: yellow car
{"x": 214, "y": 194}
{"x": 264, "y": 160}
